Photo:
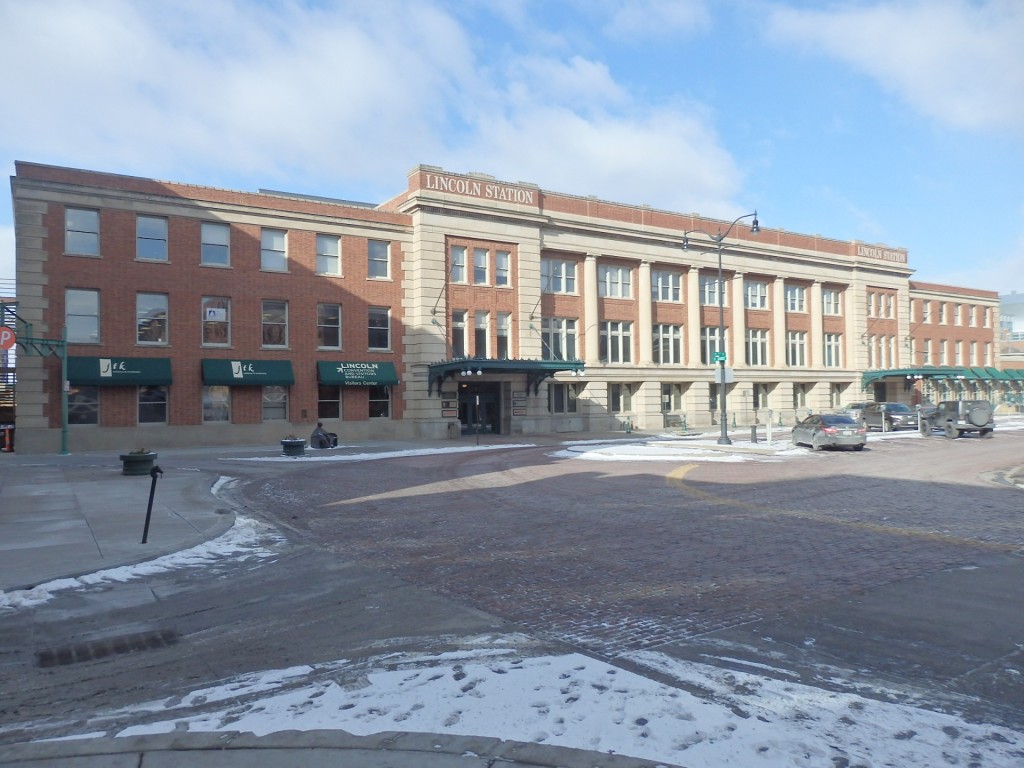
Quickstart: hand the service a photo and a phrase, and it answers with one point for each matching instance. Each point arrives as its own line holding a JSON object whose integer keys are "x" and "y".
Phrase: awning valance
{"x": 119, "y": 371}
{"x": 535, "y": 370}
{"x": 252, "y": 373}
{"x": 357, "y": 374}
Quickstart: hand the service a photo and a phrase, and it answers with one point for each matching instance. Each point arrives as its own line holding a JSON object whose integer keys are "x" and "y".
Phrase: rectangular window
{"x": 755, "y": 294}
{"x": 379, "y": 328}
{"x": 871, "y": 304}
{"x": 275, "y": 323}
{"x": 81, "y": 232}
{"x": 328, "y": 326}
{"x": 709, "y": 343}
{"x": 942, "y": 351}
{"x": 274, "y": 250}
{"x": 710, "y": 291}
{"x": 796, "y": 297}
{"x": 871, "y": 342}
{"x": 666, "y": 286}
{"x": 800, "y": 395}
{"x": 151, "y": 318}
{"x": 378, "y": 259}
{"x": 620, "y": 398}
{"x": 671, "y": 397}
{"x": 616, "y": 342}
{"x": 831, "y": 302}
{"x": 83, "y": 404}
{"x": 614, "y": 282}
{"x": 667, "y": 344}
{"x": 926, "y": 311}
{"x": 328, "y": 255}
{"x": 942, "y": 313}
{"x": 504, "y": 332}
{"x": 458, "y": 267}
{"x": 328, "y": 401}
{"x": 480, "y": 259}
{"x": 926, "y": 352}
{"x": 380, "y": 402}
{"x": 216, "y": 241}
{"x": 833, "y": 350}
{"x": 957, "y": 356}
{"x": 481, "y": 334}
{"x": 557, "y": 276}
{"x": 459, "y": 333}
{"x": 558, "y": 338}
{"x": 972, "y": 316}
{"x": 152, "y": 405}
{"x": 216, "y": 321}
{"x": 275, "y": 403}
{"x": 502, "y": 267}
{"x": 759, "y": 395}
{"x": 986, "y": 314}
{"x": 890, "y": 305}
{"x": 958, "y": 314}
{"x": 796, "y": 348}
{"x": 973, "y": 359}
{"x": 757, "y": 346}
{"x": 216, "y": 404}
{"x": 562, "y": 397}
{"x": 82, "y": 315}
{"x": 151, "y": 238}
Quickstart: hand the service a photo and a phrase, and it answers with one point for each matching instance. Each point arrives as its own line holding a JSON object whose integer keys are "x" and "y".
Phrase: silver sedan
{"x": 831, "y": 430}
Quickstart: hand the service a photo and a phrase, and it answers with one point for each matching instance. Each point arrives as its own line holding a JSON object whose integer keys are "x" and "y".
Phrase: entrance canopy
{"x": 258, "y": 373}
{"x": 938, "y": 372}
{"x": 119, "y": 371}
{"x": 355, "y": 374}
{"x": 535, "y": 370}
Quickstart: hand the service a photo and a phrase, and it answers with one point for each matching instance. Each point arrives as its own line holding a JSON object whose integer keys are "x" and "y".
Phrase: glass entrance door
{"x": 480, "y": 408}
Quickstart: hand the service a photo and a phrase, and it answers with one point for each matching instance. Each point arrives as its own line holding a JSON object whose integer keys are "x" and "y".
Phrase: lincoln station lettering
{"x": 475, "y": 188}
{"x": 883, "y": 254}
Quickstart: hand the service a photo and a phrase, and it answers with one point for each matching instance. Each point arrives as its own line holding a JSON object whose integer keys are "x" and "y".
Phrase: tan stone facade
{"x": 457, "y": 266}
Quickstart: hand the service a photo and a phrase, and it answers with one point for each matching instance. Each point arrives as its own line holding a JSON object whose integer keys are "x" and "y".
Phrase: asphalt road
{"x": 898, "y": 567}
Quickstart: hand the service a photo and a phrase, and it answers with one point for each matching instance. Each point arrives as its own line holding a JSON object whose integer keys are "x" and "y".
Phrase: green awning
{"x": 119, "y": 371}
{"x": 356, "y": 374}
{"x": 925, "y": 372}
{"x": 1015, "y": 374}
{"x": 983, "y": 373}
{"x": 248, "y": 373}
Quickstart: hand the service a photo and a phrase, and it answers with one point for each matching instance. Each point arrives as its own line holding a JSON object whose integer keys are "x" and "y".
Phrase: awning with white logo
{"x": 119, "y": 371}
{"x": 357, "y": 374}
{"x": 248, "y": 373}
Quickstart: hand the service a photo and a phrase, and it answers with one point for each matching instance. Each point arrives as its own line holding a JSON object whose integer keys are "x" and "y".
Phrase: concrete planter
{"x": 137, "y": 463}
{"x": 293, "y": 447}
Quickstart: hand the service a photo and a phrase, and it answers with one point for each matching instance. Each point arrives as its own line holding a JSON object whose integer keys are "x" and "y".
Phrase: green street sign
{"x": 718, "y": 357}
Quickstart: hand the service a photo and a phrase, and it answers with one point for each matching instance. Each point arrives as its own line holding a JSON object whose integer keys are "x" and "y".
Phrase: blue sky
{"x": 898, "y": 122}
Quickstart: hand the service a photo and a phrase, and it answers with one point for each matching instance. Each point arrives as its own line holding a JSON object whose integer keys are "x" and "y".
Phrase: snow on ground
{"x": 247, "y": 539}
{"x": 573, "y": 700}
{"x": 567, "y": 700}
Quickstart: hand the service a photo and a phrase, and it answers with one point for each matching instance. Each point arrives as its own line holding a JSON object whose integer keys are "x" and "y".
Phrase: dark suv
{"x": 888, "y": 416}
{"x": 954, "y": 417}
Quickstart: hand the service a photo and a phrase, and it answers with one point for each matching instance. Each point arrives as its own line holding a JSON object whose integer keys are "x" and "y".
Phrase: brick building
{"x": 197, "y": 315}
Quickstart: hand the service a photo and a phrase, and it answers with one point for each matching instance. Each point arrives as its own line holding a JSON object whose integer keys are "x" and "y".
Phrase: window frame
{"x": 667, "y": 286}
{"x": 832, "y": 350}
{"x": 481, "y": 266}
{"x": 274, "y": 398}
{"x": 272, "y": 257}
{"x": 615, "y": 342}
{"x": 323, "y": 328}
{"x": 710, "y": 290}
{"x": 156, "y": 407}
{"x": 83, "y": 400}
{"x": 831, "y": 302}
{"x": 796, "y": 298}
{"x": 560, "y": 271}
{"x": 667, "y": 344}
{"x": 755, "y": 294}
{"x": 325, "y": 259}
{"x": 266, "y": 325}
{"x": 796, "y": 349}
{"x": 502, "y": 269}
{"x": 710, "y": 343}
{"x": 210, "y": 320}
{"x": 376, "y": 395}
{"x": 614, "y": 281}
{"x": 378, "y": 311}
{"x": 69, "y": 316}
{"x": 79, "y": 240}
{"x": 374, "y": 260}
{"x": 216, "y": 406}
{"x": 140, "y": 239}
{"x": 457, "y": 265}
{"x": 161, "y": 323}
{"x": 560, "y": 332}
{"x": 208, "y": 246}
{"x": 756, "y": 347}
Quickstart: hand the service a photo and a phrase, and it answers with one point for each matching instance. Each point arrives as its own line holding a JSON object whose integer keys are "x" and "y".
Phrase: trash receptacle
{"x": 454, "y": 430}
{"x": 7, "y": 438}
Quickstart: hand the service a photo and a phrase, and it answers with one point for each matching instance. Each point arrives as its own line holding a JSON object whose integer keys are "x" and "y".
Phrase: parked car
{"x": 853, "y": 410}
{"x": 954, "y": 417}
{"x": 832, "y": 430}
{"x": 888, "y": 416}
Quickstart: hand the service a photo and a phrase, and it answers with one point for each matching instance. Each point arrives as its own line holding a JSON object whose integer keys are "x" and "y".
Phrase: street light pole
{"x": 723, "y": 415}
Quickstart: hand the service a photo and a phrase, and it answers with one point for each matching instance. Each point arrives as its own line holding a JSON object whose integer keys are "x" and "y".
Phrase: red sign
{"x": 7, "y": 337}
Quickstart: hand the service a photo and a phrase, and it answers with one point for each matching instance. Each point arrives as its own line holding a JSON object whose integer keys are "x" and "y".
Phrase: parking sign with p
{"x": 7, "y": 337}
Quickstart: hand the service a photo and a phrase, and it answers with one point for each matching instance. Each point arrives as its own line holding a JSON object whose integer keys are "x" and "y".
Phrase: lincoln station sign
{"x": 460, "y": 185}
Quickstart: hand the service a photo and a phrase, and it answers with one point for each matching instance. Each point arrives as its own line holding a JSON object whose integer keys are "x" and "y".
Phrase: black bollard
{"x": 753, "y": 433}
{"x": 149, "y": 510}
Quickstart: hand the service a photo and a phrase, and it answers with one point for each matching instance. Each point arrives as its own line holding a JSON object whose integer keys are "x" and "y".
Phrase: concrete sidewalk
{"x": 67, "y": 516}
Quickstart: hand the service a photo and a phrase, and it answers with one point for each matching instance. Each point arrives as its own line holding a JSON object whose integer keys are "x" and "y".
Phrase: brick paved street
{"x": 622, "y": 556}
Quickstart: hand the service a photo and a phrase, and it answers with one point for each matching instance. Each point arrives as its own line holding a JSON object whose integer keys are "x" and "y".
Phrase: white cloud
{"x": 647, "y": 19}
{"x": 959, "y": 62}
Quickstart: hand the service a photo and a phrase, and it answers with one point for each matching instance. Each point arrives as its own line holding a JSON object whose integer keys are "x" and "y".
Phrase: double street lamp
{"x": 719, "y": 355}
